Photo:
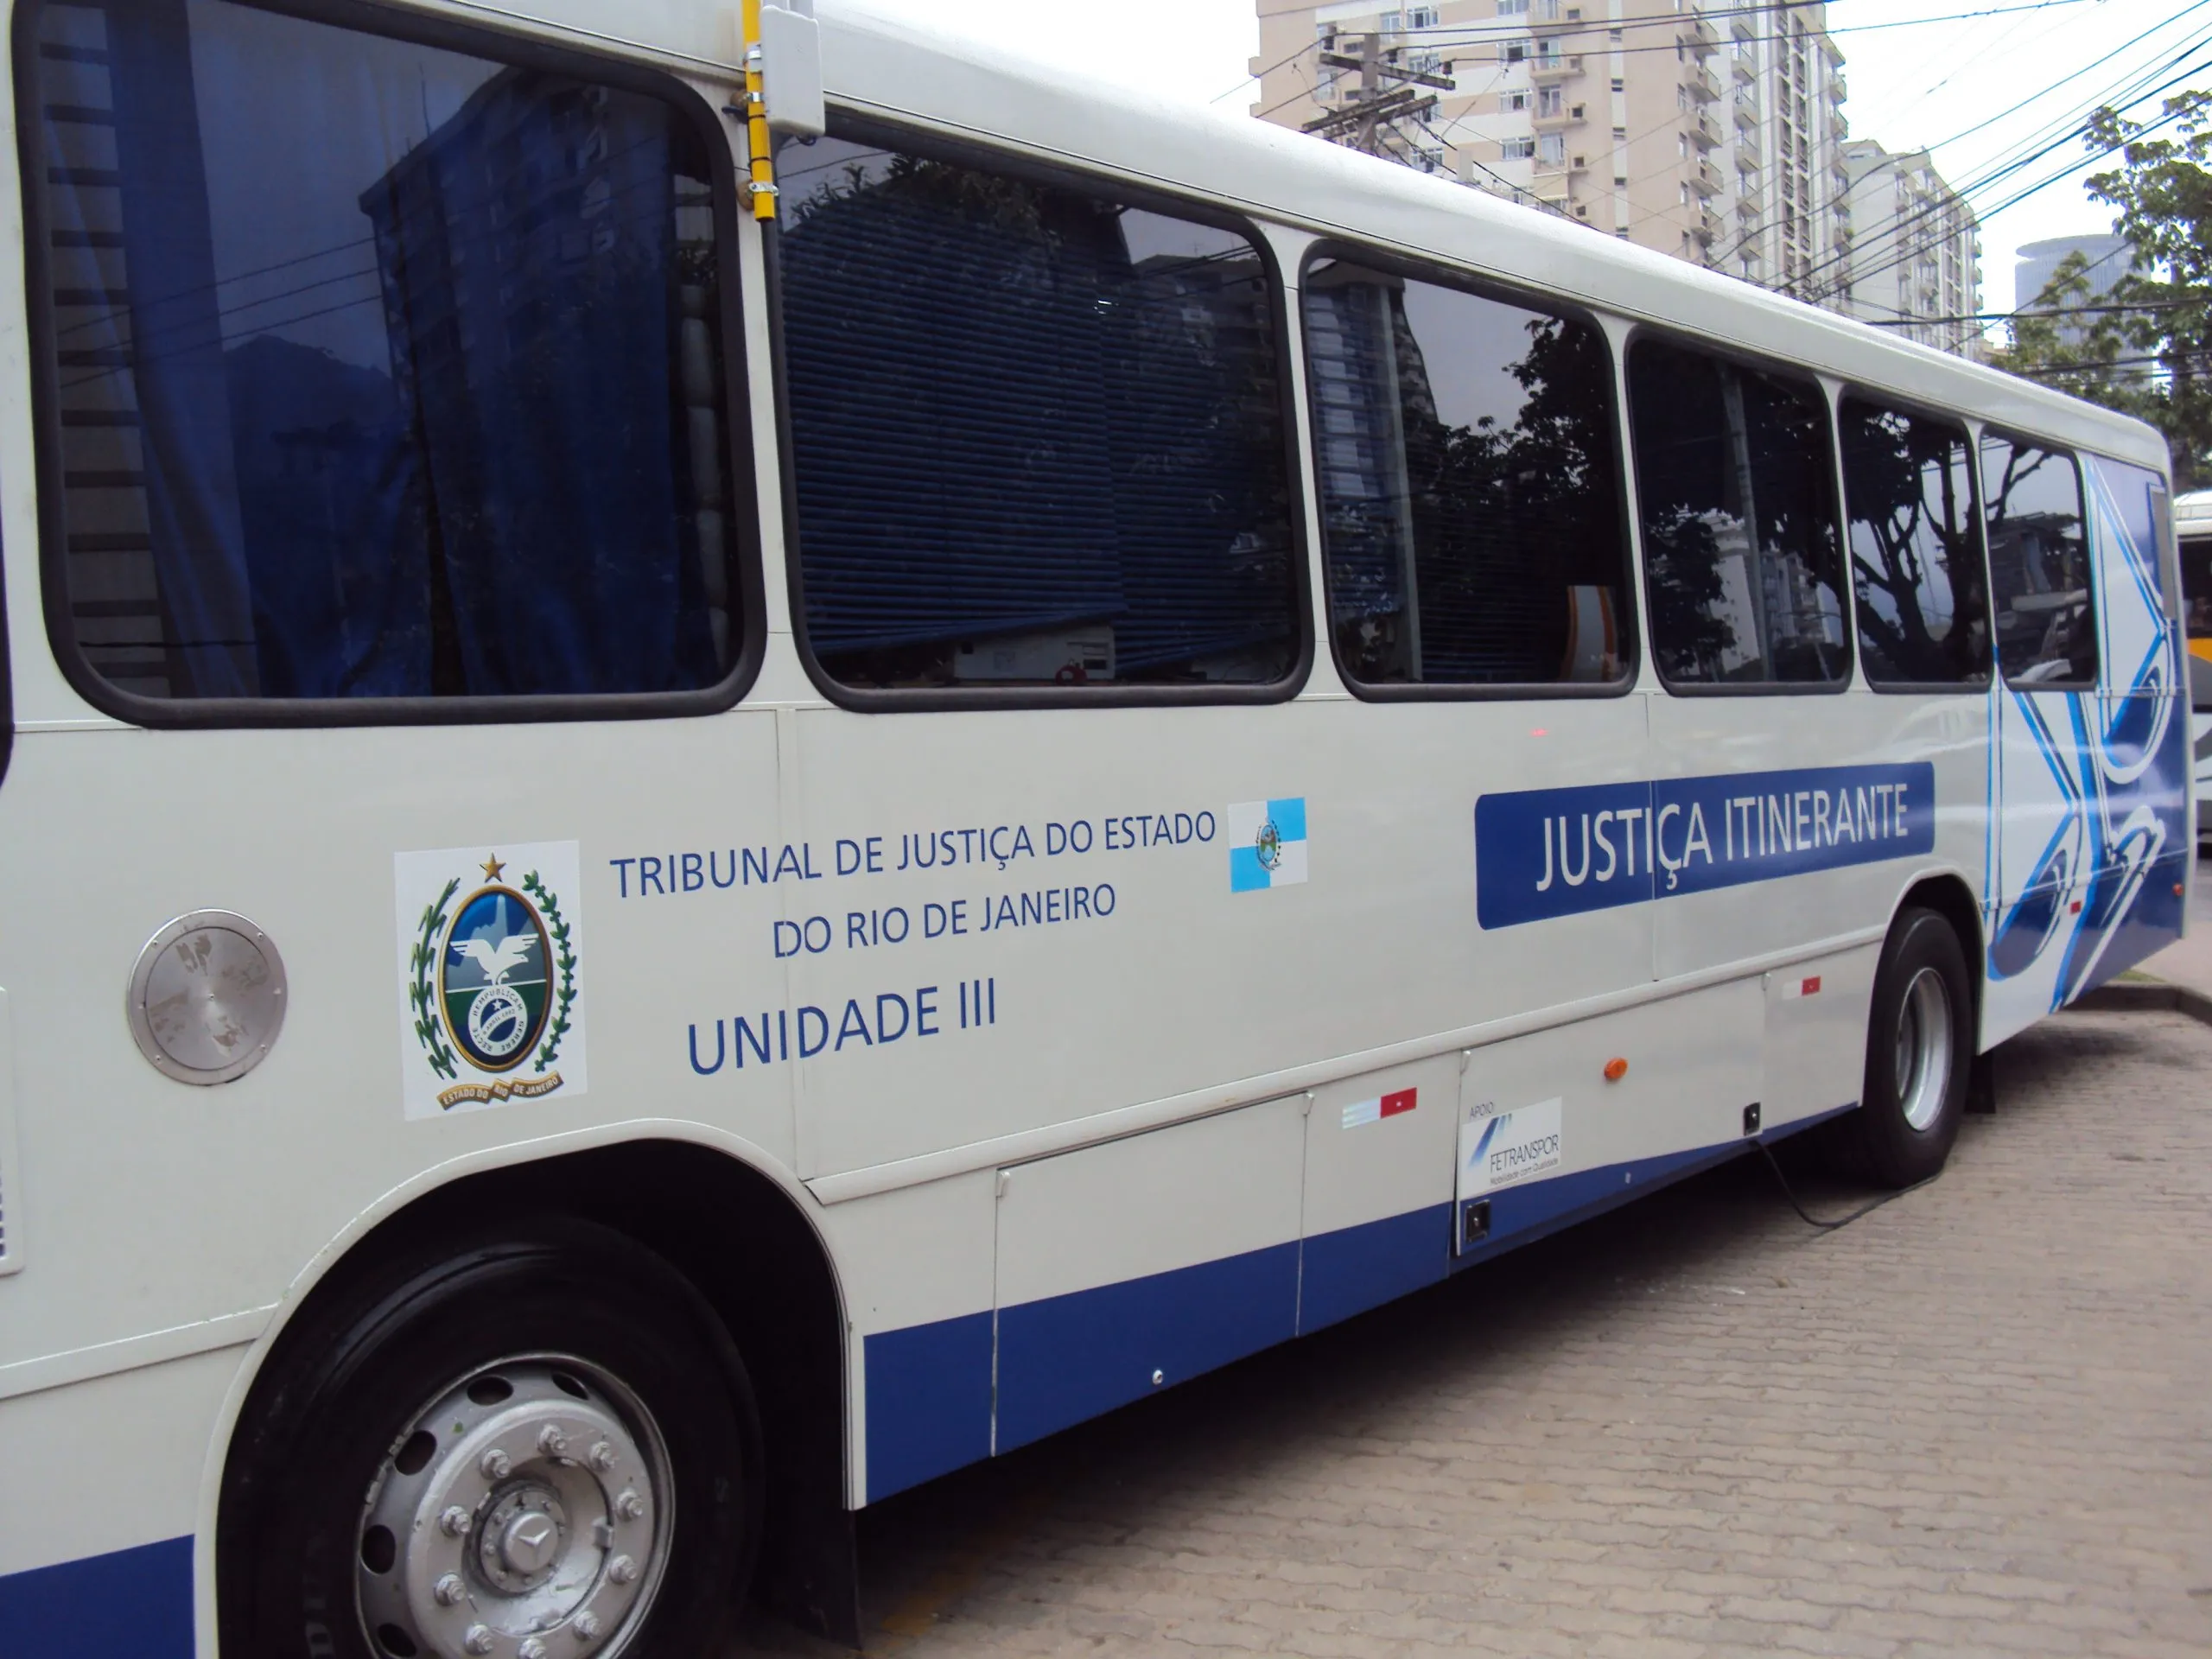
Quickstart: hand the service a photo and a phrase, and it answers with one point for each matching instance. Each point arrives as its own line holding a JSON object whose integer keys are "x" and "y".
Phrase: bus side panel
{"x": 918, "y": 1267}
{"x": 1124, "y": 1267}
{"x": 106, "y": 1579}
{"x": 2090, "y": 790}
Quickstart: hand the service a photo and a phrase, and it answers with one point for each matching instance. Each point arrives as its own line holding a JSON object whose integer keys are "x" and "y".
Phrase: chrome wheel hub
{"x": 1924, "y": 1049}
{"x": 523, "y": 1514}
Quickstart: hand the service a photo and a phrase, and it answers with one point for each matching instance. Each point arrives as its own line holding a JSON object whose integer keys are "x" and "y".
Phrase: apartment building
{"x": 1710, "y": 132}
{"x": 1917, "y": 266}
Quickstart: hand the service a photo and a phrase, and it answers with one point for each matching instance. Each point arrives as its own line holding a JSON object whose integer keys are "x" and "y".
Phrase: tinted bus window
{"x": 1037, "y": 433}
{"x": 1915, "y": 562}
{"x": 2038, "y": 564}
{"x": 1470, "y": 505}
{"x": 1737, "y": 504}
{"x": 2197, "y": 602}
{"x": 383, "y": 370}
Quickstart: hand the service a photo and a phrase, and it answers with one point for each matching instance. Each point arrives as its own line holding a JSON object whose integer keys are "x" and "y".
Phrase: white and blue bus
{"x": 735, "y": 776}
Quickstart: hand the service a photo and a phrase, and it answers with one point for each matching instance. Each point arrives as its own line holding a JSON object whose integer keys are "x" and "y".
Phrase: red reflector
{"x": 1811, "y": 986}
{"x": 1403, "y": 1101}
{"x": 1615, "y": 1069}
{"x": 2076, "y": 907}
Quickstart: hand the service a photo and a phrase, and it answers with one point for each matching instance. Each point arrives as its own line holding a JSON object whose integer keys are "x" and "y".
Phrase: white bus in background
{"x": 2193, "y": 529}
{"x": 674, "y": 857}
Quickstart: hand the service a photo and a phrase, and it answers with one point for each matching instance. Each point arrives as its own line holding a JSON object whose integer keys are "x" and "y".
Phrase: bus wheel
{"x": 1919, "y": 1049}
{"x": 541, "y": 1444}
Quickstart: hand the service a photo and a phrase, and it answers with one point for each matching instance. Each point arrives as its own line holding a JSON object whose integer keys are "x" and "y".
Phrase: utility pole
{"x": 1387, "y": 96}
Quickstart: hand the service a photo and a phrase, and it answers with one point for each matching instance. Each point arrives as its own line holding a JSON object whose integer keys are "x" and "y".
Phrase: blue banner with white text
{"x": 1542, "y": 853}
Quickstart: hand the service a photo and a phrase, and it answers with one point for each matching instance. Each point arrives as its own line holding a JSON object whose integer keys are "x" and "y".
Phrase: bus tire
{"x": 1919, "y": 1051}
{"x": 539, "y": 1442}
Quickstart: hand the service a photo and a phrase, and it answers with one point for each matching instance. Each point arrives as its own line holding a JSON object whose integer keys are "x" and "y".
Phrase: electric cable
{"x": 1829, "y": 1226}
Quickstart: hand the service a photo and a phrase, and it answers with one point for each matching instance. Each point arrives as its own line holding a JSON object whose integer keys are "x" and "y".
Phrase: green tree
{"x": 2145, "y": 348}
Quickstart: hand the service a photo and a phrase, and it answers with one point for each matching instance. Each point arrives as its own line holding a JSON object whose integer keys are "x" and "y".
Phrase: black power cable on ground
{"x": 1812, "y": 1220}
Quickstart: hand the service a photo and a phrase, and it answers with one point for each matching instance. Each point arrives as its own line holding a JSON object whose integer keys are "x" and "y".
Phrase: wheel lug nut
{"x": 621, "y": 1569}
{"x": 479, "y": 1639}
{"x": 531, "y": 1649}
{"x": 602, "y": 1457}
{"x": 629, "y": 1506}
{"x": 454, "y": 1521}
{"x": 495, "y": 1465}
{"x": 550, "y": 1439}
{"x": 449, "y": 1590}
{"x": 585, "y": 1624}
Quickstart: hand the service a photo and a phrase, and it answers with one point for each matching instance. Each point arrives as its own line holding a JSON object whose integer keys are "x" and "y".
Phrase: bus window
{"x": 1915, "y": 562}
{"x": 2038, "y": 564}
{"x": 382, "y": 370}
{"x": 1740, "y": 526}
{"x": 1470, "y": 500}
{"x": 1037, "y": 433}
{"x": 2197, "y": 600}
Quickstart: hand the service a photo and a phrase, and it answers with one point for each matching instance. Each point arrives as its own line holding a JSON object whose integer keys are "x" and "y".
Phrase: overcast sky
{"x": 1923, "y": 83}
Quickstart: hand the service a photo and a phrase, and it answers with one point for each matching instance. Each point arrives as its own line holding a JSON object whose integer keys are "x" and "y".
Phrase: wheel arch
{"x": 738, "y": 1230}
{"x": 1946, "y": 893}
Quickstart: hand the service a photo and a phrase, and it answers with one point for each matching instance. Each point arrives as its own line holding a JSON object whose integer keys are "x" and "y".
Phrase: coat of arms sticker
{"x": 492, "y": 1007}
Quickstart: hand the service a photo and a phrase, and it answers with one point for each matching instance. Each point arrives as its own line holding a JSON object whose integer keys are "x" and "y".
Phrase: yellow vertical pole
{"x": 762, "y": 186}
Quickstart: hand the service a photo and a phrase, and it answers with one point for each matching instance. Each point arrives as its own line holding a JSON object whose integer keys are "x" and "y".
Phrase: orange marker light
{"x": 1615, "y": 1069}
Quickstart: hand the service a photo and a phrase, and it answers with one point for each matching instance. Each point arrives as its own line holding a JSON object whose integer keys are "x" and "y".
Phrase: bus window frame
{"x": 1683, "y": 340}
{"x": 744, "y": 550}
{"x": 1440, "y": 274}
{"x": 1860, "y": 391}
{"x": 850, "y": 126}
{"x": 2017, "y": 438}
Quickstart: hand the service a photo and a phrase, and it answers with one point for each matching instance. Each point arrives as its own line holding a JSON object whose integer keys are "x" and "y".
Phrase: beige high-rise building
{"x": 1918, "y": 265}
{"x": 1713, "y": 132}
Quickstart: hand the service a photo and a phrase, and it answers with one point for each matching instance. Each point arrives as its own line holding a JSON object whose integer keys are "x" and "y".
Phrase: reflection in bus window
{"x": 1037, "y": 434}
{"x": 1470, "y": 505}
{"x": 2038, "y": 564}
{"x": 1740, "y": 530}
{"x": 384, "y": 371}
{"x": 1915, "y": 562}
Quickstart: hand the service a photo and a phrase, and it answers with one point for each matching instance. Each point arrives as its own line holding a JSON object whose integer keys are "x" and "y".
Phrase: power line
{"x": 2117, "y": 90}
{"x": 2008, "y": 170}
{"x": 2003, "y": 168}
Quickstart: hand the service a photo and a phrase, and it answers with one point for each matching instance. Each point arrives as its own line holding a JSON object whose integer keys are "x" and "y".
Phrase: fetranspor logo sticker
{"x": 1511, "y": 1146}
{"x": 492, "y": 1007}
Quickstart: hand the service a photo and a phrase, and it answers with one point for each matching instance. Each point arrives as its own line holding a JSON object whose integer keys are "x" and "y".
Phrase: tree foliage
{"x": 2145, "y": 348}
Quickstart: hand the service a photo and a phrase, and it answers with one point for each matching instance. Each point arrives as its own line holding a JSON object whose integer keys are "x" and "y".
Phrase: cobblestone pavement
{"x": 1978, "y": 1421}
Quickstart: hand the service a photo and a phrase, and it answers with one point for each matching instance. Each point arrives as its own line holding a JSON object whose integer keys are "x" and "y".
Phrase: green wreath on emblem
{"x": 557, "y": 926}
{"x": 435, "y": 917}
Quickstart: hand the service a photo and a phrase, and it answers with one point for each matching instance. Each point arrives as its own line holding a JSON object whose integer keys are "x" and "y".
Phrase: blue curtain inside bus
{"x": 401, "y": 349}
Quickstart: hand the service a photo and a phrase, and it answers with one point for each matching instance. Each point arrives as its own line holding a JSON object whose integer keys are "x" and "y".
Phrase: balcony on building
{"x": 1744, "y": 64}
{"x": 1745, "y": 103}
{"x": 1838, "y": 89}
{"x": 1700, "y": 84}
{"x": 1553, "y": 65}
{"x": 1559, "y": 119}
{"x": 1704, "y": 131}
{"x": 1705, "y": 179}
{"x": 1704, "y": 224}
{"x": 1747, "y": 144}
{"x": 1698, "y": 34}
